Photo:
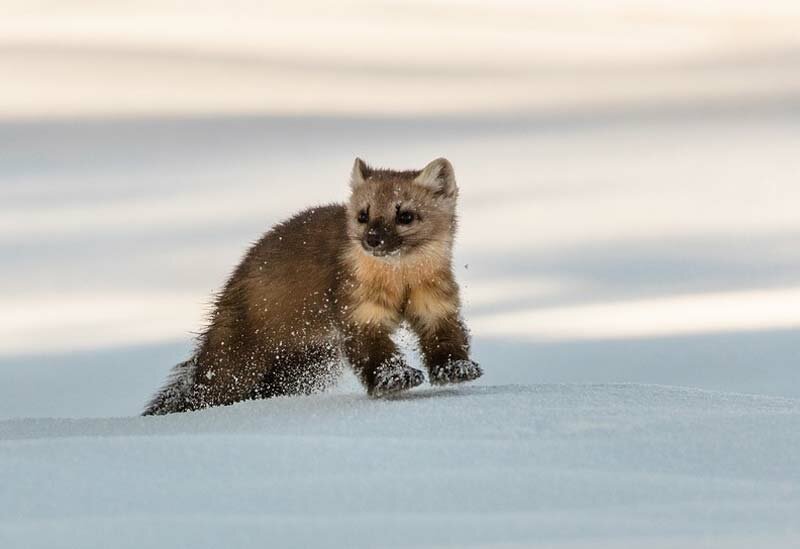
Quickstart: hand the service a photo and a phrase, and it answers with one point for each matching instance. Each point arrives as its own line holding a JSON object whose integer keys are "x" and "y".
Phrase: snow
{"x": 628, "y": 210}
{"x": 548, "y": 465}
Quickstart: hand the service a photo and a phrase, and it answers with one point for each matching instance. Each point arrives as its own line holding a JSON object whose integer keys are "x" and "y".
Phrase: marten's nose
{"x": 374, "y": 238}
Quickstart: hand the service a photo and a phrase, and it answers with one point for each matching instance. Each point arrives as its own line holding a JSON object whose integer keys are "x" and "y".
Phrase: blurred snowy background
{"x": 630, "y": 212}
{"x": 629, "y": 171}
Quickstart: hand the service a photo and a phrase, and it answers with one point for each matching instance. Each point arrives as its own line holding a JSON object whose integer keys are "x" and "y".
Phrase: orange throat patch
{"x": 387, "y": 290}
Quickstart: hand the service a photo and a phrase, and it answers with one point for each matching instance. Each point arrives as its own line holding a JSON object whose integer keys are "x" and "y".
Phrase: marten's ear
{"x": 360, "y": 173}
{"x": 439, "y": 177}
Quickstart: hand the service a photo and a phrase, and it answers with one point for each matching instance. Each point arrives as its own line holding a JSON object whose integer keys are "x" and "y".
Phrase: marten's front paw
{"x": 455, "y": 371}
{"x": 393, "y": 377}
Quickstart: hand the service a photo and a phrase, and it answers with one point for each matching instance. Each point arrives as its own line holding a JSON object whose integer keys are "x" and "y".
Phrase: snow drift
{"x": 553, "y": 465}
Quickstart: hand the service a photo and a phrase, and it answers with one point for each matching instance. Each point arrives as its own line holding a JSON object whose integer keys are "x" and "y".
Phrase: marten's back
{"x": 289, "y": 280}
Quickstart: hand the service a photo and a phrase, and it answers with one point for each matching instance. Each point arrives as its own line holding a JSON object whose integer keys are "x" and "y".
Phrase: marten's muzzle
{"x": 380, "y": 239}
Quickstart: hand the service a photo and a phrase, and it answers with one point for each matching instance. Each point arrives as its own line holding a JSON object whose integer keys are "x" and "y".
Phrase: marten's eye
{"x": 363, "y": 216}
{"x": 405, "y": 218}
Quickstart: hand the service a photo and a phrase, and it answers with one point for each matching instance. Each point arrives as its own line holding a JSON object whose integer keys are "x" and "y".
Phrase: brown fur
{"x": 312, "y": 290}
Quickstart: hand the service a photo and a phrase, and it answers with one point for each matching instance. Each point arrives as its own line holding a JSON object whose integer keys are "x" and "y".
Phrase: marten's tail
{"x": 174, "y": 396}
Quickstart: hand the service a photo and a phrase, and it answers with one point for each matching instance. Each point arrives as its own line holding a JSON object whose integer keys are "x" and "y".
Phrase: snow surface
{"x": 561, "y": 465}
{"x": 629, "y": 198}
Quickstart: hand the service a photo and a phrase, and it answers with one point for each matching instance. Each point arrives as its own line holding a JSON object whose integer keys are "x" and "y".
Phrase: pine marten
{"x": 331, "y": 285}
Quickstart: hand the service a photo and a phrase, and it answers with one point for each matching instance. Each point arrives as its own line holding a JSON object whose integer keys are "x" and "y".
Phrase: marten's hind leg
{"x": 301, "y": 372}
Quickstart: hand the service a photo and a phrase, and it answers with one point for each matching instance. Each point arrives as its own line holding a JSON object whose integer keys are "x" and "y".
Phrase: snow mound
{"x": 552, "y": 465}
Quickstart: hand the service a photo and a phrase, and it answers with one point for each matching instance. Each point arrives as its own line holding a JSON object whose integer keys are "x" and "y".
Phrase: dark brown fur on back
{"x": 313, "y": 291}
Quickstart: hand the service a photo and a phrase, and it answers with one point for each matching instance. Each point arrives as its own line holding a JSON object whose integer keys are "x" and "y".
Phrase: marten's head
{"x": 397, "y": 215}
